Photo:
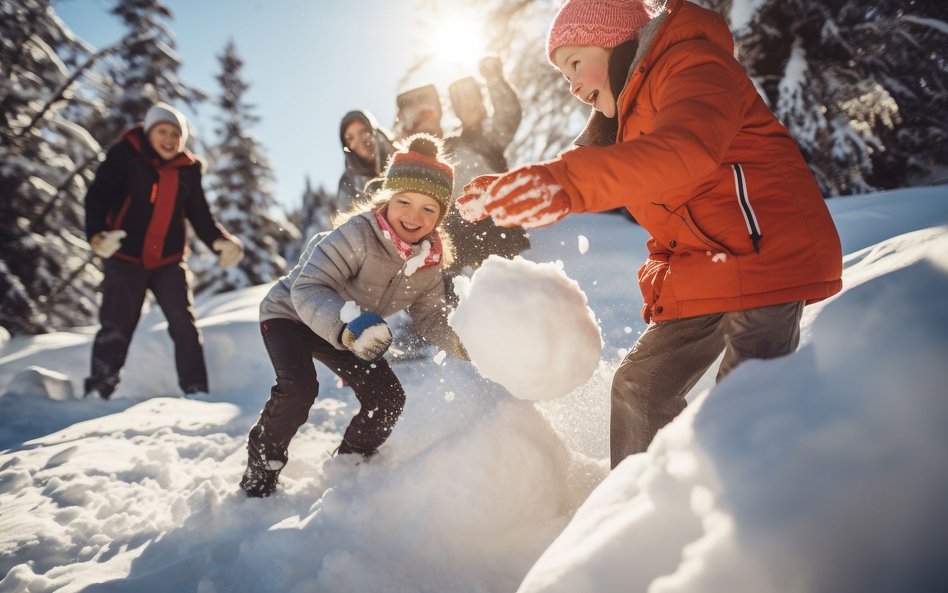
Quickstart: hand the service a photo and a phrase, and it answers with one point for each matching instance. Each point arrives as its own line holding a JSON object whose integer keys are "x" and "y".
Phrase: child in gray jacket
{"x": 332, "y": 305}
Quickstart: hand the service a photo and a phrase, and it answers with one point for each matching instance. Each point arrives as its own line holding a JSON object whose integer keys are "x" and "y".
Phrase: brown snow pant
{"x": 649, "y": 387}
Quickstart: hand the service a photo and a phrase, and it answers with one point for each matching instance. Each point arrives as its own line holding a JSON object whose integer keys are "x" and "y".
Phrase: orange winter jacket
{"x": 735, "y": 216}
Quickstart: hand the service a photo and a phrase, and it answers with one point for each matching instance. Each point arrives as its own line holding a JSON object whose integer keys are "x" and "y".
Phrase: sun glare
{"x": 458, "y": 42}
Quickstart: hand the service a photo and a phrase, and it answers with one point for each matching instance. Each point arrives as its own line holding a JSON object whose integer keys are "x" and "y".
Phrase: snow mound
{"x": 36, "y": 381}
{"x": 816, "y": 468}
{"x": 528, "y": 327}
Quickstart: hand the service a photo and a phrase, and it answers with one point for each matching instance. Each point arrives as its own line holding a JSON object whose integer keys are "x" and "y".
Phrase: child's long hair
{"x": 377, "y": 200}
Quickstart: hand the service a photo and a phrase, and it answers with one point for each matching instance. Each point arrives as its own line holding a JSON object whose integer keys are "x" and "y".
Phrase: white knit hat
{"x": 163, "y": 113}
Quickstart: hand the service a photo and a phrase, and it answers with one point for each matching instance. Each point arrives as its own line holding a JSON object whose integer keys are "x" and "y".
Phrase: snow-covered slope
{"x": 819, "y": 471}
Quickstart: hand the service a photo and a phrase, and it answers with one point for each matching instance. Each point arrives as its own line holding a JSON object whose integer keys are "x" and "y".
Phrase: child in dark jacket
{"x": 331, "y": 307}
{"x": 136, "y": 208}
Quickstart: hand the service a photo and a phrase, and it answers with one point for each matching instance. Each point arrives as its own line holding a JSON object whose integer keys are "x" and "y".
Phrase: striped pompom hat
{"x": 421, "y": 168}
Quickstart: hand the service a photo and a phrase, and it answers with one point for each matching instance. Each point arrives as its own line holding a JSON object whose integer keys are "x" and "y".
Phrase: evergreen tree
{"x": 240, "y": 185}
{"x": 313, "y": 216}
{"x": 861, "y": 84}
{"x": 145, "y": 70}
{"x": 47, "y": 277}
{"x": 319, "y": 205}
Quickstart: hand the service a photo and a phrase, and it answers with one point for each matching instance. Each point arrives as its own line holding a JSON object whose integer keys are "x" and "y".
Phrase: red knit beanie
{"x": 602, "y": 23}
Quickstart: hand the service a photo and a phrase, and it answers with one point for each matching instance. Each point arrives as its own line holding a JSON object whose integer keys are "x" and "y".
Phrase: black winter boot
{"x": 346, "y": 449}
{"x": 264, "y": 464}
{"x": 100, "y": 388}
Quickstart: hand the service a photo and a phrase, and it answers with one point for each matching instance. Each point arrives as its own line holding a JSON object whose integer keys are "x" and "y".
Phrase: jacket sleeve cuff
{"x": 559, "y": 170}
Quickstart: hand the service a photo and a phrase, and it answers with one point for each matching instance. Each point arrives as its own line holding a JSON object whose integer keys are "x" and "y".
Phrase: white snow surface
{"x": 37, "y": 381}
{"x": 528, "y": 327}
{"x": 819, "y": 471}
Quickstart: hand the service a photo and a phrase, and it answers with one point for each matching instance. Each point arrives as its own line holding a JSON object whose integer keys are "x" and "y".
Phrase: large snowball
{"x": 528, "y": 327}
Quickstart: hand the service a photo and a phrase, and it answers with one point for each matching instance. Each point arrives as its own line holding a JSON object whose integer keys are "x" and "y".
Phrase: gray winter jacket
{"x": 355, "y": 262}
{"x": 480, "y": 150}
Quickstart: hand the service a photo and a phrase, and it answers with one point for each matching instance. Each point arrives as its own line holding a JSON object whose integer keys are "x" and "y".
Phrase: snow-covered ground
{"x": 820, "y": 471}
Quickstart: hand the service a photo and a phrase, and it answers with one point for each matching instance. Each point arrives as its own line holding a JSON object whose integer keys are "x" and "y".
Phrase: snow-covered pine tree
{"x": 319, "y": 204}
{"x": 313, "y": 216}
{"x": 861, "y": 84}
{"x": 240, "y": 187}
{"x": 145, "y": 70}
{"x": 47, "y": 275}
{"x": 903, "y": 48}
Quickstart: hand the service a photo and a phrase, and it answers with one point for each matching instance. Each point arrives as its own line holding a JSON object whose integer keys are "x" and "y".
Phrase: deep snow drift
{"x": 819, "y": 471}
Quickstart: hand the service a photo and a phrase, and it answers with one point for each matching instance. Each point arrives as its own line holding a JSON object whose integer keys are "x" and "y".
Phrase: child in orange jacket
{"x": 741, "y": 237}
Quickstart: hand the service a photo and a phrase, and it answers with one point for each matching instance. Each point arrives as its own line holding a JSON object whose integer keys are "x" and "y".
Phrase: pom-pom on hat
{"x": 420, "y": 167}
{"x": 602, "y": 23}
{"x": 164, "y": 113}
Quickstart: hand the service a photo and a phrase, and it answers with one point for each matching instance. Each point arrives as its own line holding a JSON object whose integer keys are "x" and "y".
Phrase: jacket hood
{"x": 354, "y": 162}
{"x": 356, "y": 115}
{"x": 678, "y": 21}
{"x": 135, "y": 136}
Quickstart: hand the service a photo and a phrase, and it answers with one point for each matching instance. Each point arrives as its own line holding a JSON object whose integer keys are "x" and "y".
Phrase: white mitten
{"x": 106, "y": 243}
{"x": 367, "y": 336}
{"x": 231, "y": 250}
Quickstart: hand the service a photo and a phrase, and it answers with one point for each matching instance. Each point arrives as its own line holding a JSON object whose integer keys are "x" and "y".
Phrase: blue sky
{"x": 307, "y": 62}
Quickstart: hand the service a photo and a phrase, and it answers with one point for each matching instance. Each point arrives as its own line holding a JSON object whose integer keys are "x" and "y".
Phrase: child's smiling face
{"x": 586, "y": 68}
{"x": 165, "y": 138}
{"x": 413, "y": 215}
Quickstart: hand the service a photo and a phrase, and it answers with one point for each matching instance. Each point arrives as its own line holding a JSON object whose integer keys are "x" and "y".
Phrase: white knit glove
{"x": 231, "y": 250}
{"x": 106, "y": 243}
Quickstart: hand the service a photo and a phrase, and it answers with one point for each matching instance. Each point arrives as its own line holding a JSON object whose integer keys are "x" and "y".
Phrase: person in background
{"x": 136, "y": 207}
{"x": 741, "y": 238}
{"x": 477, "y": 148}
{"x": 418, "y": 111}
{"x": 366, "y": 147}
{"x": 387, "y": 257}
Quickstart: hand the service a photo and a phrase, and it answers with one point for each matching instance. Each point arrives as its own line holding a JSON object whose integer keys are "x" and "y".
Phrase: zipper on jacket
{"x": 390, "y": 288}
{"x": 750, "y": 217}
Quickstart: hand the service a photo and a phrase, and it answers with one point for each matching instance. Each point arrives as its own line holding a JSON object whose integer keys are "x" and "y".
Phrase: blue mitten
{"x": 367, "y": 336}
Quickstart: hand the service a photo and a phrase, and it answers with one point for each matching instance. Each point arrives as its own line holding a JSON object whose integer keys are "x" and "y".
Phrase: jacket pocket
{"x": 691, "y": 234}
{"x": 651, "y": 279}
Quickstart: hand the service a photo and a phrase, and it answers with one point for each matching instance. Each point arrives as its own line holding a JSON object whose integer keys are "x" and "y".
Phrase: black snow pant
{"x": 123, "y": 294}
{"x": 292, "y": 346}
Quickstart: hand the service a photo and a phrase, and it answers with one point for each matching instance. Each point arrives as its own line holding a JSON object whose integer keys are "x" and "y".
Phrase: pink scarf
{"x": 404, "y": 248}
